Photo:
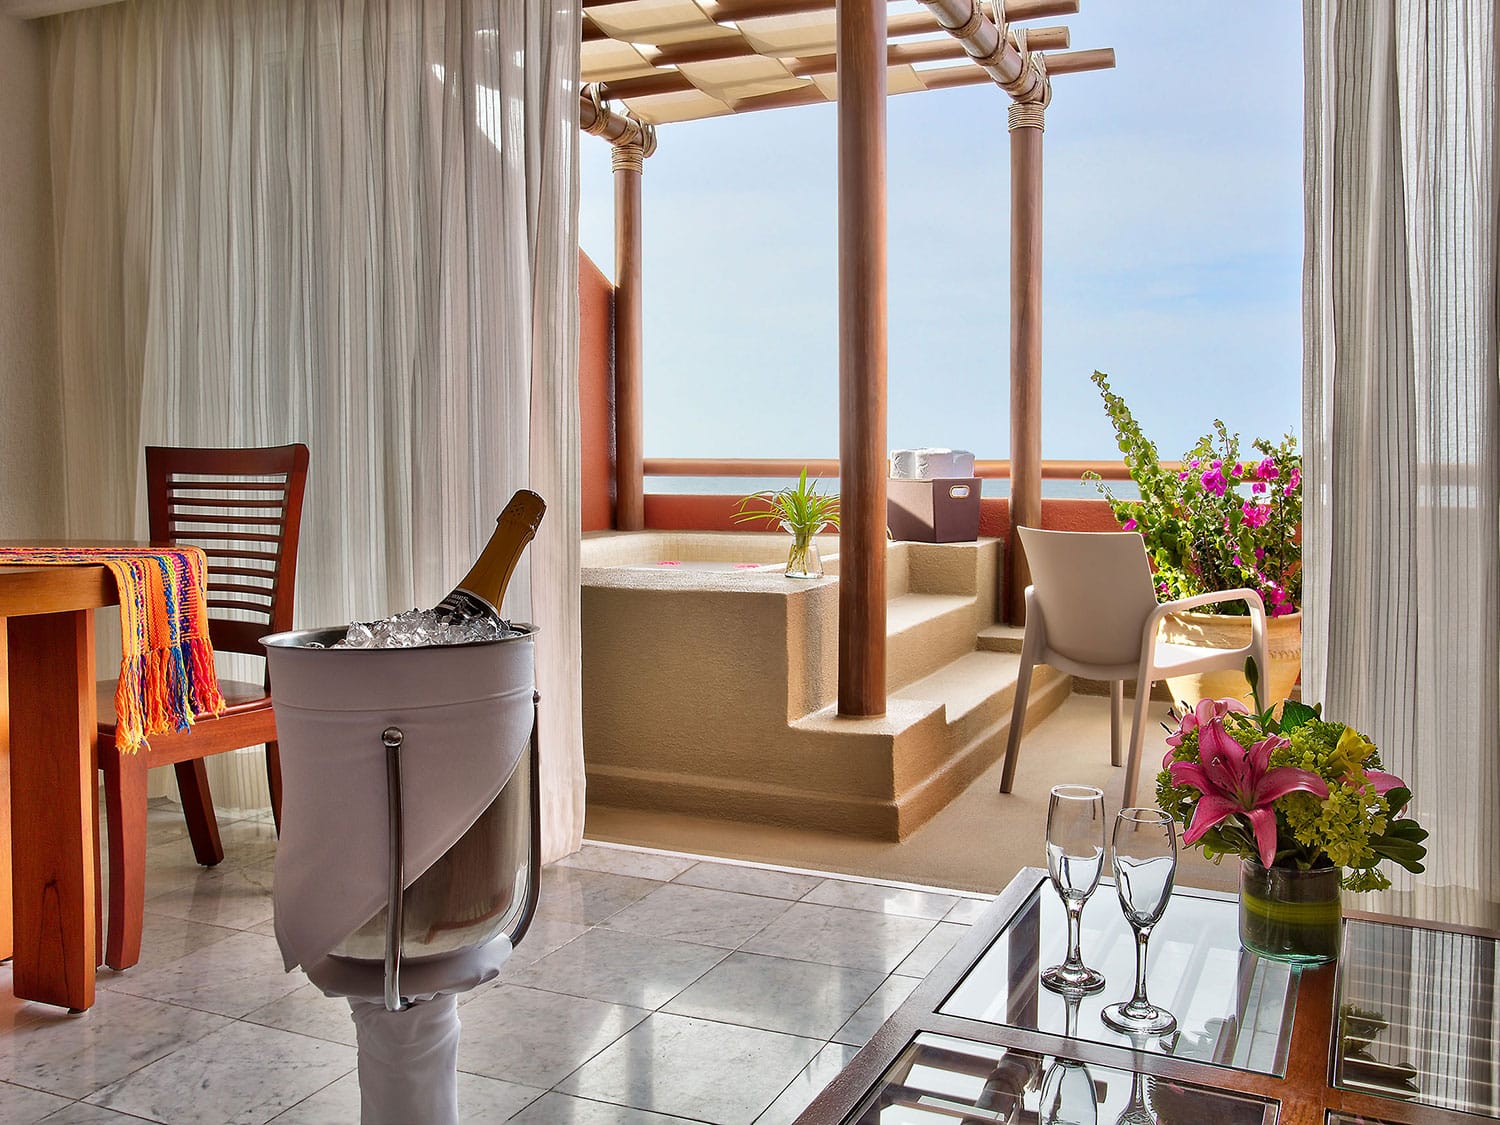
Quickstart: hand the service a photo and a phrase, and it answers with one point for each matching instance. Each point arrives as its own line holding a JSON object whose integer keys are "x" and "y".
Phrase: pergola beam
{"x": 807, "y": 66}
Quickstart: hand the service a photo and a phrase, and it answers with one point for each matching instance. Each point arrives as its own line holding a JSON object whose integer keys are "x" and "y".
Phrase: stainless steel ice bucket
{"x": 449, "y": 701}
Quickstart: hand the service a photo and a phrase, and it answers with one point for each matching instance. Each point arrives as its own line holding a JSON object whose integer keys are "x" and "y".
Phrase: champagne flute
{"x": 1145, "y": 863}
{"x": 1075, "y": 860}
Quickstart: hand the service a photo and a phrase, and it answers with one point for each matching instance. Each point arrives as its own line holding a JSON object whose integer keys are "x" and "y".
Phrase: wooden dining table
{"x": 49, "y": 914}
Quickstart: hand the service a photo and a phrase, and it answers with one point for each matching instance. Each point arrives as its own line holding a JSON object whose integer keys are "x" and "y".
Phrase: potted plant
{"x": 1302, "y": 801}
{"x": 1219, "y": 521}
{"x": 804, "y": 512}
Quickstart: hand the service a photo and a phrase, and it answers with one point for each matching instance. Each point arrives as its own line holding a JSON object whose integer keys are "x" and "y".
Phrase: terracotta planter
{"x": 1284, "y": 651}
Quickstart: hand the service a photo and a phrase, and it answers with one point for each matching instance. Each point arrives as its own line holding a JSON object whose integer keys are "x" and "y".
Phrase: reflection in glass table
{"x": 1233, "y": 1008}
{"x": 1418, "y": 1016}
{"x": 939, "y": 1080}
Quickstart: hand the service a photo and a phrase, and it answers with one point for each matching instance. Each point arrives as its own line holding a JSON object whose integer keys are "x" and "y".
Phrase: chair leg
{"x": 98, "y": 869}
{"x": 198, "y": 810}
{"x": 1116, "y": 714}
{"x": 1137, "y": 740}
{"x": 1017, "y": 721}
{"x": 273, "y": 777}
{"x": 125, "y": 814}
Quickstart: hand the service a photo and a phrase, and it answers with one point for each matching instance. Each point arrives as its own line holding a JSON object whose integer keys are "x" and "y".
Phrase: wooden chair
{"x": 244, "y": 508}
{"x": 1091, "y": 611}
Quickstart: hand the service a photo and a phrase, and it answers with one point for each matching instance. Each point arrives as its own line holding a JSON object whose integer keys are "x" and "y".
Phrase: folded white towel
{"x": 931, "y": 464}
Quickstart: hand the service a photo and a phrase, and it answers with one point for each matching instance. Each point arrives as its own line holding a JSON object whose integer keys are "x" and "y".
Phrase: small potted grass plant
{"x": 802, "y": 511}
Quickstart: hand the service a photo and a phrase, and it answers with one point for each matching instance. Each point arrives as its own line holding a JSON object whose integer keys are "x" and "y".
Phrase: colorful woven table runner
{"x": 167, "y": 676}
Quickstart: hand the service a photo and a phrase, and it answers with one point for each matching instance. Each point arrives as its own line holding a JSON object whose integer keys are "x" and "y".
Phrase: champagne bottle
{"x": 479, "y": 593}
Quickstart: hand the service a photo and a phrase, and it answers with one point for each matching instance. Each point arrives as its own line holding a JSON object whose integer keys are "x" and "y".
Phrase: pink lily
{"x": 1206, "y": 712}
{"x": 1234, "y": 780}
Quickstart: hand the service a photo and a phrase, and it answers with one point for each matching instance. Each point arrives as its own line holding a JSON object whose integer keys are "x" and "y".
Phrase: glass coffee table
{"x": 1403, "y": 1030}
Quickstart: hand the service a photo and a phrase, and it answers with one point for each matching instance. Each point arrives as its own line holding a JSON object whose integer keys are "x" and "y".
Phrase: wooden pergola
{"x": 650, "y": 62}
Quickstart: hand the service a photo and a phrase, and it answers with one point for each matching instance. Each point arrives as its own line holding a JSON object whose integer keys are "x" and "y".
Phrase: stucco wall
{"x": 30, "y": 414}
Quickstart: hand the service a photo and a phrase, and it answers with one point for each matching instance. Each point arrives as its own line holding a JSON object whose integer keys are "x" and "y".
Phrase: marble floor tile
{"x": 695, "y": 1069}
{"x": 242, "y": 1073}
{"x": 885, "y": 900}
{"x": 560, "y": 1109}
{"x": 708, "y": 917}
{"x": 76, "y": 1055}
{"x": 544, "y": 936}
{"x": 573, "y": 894}
{"x": 232, "y": 977}
{"x": 815, "y": 1076}
{"x": 81, "y": 1113}
{"x": 748, "y": 880}
{"x": 165, "y": 938}
{"x": 876, "y": 1010}
{"x": 480, "y": 1099}
{"x": 621, "y": 968}
{"x": 967, "y": 911}
{"x": 628, "y": 861}
{"x": 835, "y": 935}
{"x": 237, "y": 897}
{"x": 308, "y": 1012}
{"x": 797, "y": 997}
{"x": 933, "y": 948}
{"x": 21, "y": 1106}
{"x": 537, "y": 1038}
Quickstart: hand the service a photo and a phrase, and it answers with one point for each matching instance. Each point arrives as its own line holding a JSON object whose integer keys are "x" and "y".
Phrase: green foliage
{"x": 1220, "y": 522}
{"x": 802, "y": 509}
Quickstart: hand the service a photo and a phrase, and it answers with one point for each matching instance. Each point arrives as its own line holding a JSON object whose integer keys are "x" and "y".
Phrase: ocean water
{"x": 741, "y": 486}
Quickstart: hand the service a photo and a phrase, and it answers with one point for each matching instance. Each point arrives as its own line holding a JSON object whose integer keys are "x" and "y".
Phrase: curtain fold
{"x": 1401, "y": 413}
{"x": 351, "y": 223}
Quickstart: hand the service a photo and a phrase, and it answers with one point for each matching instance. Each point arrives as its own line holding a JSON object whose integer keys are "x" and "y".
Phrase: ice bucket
{"x": 463, "y": 837}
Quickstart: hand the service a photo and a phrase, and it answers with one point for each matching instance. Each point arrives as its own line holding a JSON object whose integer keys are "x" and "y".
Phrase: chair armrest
{"x": 1243, "y": 594}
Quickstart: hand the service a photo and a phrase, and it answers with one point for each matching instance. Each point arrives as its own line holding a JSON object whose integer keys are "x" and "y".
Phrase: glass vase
{"x": 1291, "y": 915}
{"x": 803, "y": 560}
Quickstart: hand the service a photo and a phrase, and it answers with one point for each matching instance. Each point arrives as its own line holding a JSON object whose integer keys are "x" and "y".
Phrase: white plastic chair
{"x": 1091, "y": 611}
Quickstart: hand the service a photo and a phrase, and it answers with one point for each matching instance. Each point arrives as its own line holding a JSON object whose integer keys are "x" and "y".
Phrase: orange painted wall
{"x": 596, "y": 394}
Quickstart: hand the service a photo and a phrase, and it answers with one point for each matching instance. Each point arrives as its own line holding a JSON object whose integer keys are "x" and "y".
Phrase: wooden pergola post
{"x": 628, "y": 161}
{"x": 1026, "y": 124}
{"x": 861, "y": 57}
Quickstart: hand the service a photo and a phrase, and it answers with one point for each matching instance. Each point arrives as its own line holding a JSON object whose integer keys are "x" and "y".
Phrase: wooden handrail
{"x": 829, "y": 468}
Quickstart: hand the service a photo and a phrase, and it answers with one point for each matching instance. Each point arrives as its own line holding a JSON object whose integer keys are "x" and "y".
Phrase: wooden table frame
{"x": 1304, "y": 1093}
{"x": 52, "y": 925}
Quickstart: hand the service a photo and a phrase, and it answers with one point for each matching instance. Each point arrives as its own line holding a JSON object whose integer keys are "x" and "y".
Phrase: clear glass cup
{"x": 1075, "y": 860}
{"x": 1144, "y": 855}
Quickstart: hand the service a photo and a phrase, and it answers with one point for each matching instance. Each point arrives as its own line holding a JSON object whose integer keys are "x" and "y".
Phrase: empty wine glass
{"x": 1145, "y": 863}
{"x": 1075, "y": 860}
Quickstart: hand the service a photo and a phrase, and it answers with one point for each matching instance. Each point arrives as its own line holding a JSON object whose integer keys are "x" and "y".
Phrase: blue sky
{"x": 1173, "y": 247}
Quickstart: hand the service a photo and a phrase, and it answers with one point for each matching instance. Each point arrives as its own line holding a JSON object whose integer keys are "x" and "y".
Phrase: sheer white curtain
{"x": 350, "y": 223}
{"x": 1402, "y": 416}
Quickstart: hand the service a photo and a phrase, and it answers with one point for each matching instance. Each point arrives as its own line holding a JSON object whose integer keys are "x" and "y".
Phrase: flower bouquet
{"x": 1303, "y": 801}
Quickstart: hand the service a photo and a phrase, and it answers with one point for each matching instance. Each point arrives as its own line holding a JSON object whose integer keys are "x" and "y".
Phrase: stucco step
{"x": 924, "y": 632}
{"x": 1001, "y": 638}
{"x": 977, "y": 691}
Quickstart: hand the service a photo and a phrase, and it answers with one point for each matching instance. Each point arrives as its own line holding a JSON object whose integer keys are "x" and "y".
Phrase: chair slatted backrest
{"x": 1095, "y": 592}
{"x": 244, "y": 508}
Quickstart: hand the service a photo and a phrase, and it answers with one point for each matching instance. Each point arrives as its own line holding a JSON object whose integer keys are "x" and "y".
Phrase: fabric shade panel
{"x": 682, "y": 60}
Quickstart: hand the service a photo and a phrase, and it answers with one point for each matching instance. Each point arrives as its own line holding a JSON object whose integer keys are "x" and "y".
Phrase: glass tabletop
{"x": 1419, "y": 1019}
{"x": 939, "y": 1080}
{"x": 1233, "y": 1008}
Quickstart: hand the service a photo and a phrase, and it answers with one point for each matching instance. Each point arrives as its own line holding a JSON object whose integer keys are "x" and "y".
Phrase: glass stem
{"x": 1075, "y": 934}
{"x": 1139, "y": 1001}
